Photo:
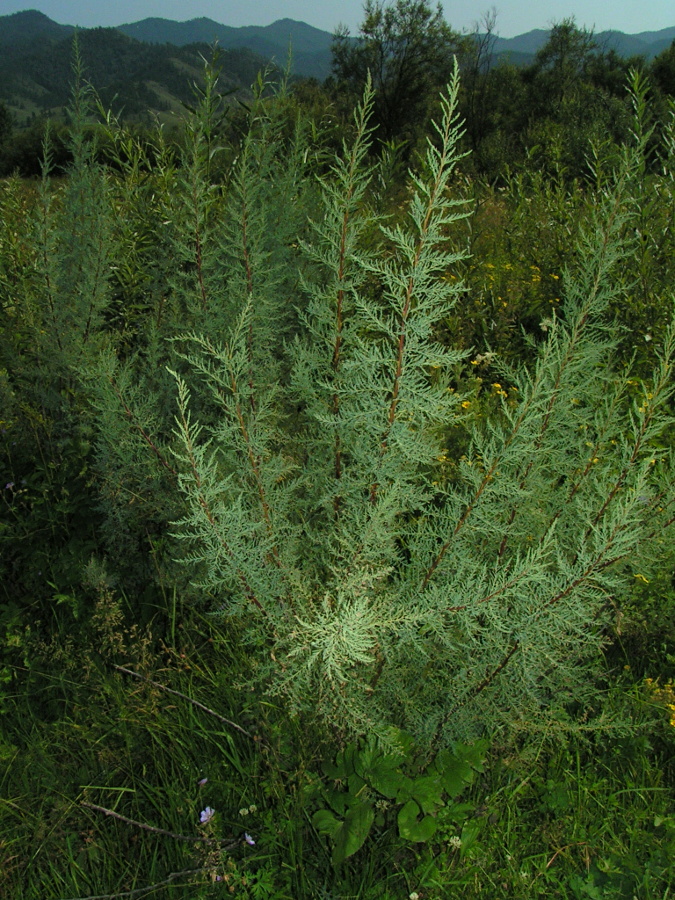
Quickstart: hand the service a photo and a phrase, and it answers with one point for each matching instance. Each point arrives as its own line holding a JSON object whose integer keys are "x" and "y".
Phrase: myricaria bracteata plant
{"x": 377, "y": 585}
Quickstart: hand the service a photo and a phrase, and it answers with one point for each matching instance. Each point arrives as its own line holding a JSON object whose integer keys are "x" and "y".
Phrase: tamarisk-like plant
{"x": 381, "y": 580}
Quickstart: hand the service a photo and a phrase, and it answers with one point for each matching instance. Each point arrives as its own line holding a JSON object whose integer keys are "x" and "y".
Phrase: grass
{"x": 557, "y": 816}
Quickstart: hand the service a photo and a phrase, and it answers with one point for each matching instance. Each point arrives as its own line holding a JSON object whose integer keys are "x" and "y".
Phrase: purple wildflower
{"x": 202, "y": 782}
{"x": 206, "y": 815}
{"x": 249, "y": 839}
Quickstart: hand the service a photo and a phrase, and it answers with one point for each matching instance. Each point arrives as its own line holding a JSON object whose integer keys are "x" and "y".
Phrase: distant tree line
{"x": 574, "y": 91}
{"x": 546, "y": 113}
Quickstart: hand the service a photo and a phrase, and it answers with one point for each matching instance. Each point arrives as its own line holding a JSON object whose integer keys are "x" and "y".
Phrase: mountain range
{"x": 139, "y": 79}
{"x": 152, "y": 63}
{"x": 311, "y": 46}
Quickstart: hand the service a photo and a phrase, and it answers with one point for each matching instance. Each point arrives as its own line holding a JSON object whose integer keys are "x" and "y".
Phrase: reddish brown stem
{"x": 146, "y": 437}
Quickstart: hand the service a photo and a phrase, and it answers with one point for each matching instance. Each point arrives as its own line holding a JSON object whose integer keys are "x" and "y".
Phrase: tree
{"x": 560, "y": 64}
{"x": 663, "y": 70}
{"x": 575, "y": 96}
{"x": 408, "y": 49}
{"x": 5, "y": 123}
{"x": 5, "y": 132}
{"x": 479, "y": 86}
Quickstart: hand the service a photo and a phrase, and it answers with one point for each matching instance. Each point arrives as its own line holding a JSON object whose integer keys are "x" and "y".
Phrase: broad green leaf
{"x": 343, "y": 766}
{"x": 387, "y": 782}
{"x": 458, "y": 812}
{"x": 326, "y": 823}
{"x": 336, "y": 771}
{"x": 355, "y": 783}
{"x": 371, "y": 759}
{"x": 407, "y": 817}
{"x": 366, "y": 757}
{"x": 405, "y": 790}
{"x": 382, "y": 774}
{"x": 337, "y": 800}
{"x": 348, "y": 756}
{"x": 444, "y": 759}
{"x": 474, "y": 754}
{"x": 428, "y": 791}
{"x": 411, "y": 828}
{"x": 456, "y": 773}
{"x": 354, "y": 830}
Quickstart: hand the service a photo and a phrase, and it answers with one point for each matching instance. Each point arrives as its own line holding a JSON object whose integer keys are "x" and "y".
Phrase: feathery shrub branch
{"x": 376, "y": 590}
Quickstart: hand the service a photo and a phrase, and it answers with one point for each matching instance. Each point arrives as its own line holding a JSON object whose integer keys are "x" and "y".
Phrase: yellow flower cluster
{"x": 664, "y": 696}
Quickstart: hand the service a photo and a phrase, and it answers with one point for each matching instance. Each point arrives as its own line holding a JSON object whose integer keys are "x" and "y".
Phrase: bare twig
{"x": 562, "y": 850}
{"x": 196, "y": 703}
{"x": 154, "y": 830}
{"x": 144, "y": 890}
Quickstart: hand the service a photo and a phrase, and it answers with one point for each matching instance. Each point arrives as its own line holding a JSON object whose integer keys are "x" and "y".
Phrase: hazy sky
{"x": 513, "y": 16}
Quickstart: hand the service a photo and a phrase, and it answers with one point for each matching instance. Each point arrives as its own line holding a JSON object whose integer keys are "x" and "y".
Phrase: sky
{"x": 513, "y": 16}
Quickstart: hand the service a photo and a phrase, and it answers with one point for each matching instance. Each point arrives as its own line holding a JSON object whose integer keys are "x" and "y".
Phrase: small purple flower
{"x": 9, "y": 486}
{"x": 202, "y": 782}
{"x": 206, "y": 815}
{"x": 249, "y": 839}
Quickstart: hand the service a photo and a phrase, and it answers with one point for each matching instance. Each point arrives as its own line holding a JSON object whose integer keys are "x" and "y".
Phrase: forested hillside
{"x": 138, "y": 79}
{"x": 338, "y": 495}
{"x": 309, "y": 47}
{"x": 544, "y": 105}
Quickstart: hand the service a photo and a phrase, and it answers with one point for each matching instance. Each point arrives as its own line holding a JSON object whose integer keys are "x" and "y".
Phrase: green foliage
{"x": 339, "y": 541}
{"x": 140, "y": 79}
{"x": 6, "y": 126}
{"x": 573, "y": 99}
{"x": 410, "y": 527}
{"x": 55, "y": 292}
{"x": 663, "y": 70}
{"x": 543, "y": 820}
{"x": 368, "y": 785}
{"x": 407, "y": 47}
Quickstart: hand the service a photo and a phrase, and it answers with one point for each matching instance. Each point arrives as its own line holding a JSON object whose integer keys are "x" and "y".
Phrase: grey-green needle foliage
{"x": 377, "y": 590}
